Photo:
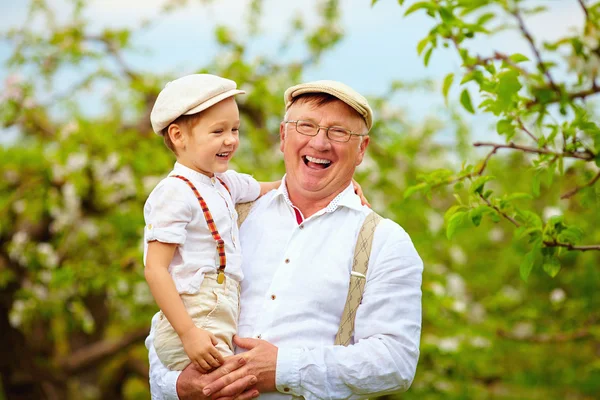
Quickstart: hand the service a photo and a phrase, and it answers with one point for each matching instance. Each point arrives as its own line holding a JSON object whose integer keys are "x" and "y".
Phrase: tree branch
{"x": 508, "y": 217}
{"x": 571, "y": 246}
{"x": 585, "y": 10}
{"x": 582, "y": 94}
{"x": 582, "y": 155}
{"x": 99, "y": 351}
{"x": 540, "y": 62}
{"x": 572, "y": 192}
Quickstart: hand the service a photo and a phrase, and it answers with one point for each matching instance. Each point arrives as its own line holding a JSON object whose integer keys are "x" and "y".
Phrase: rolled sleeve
{"x": 167, "y": 214}
{"x": 244, "y": 188}
{"x": 163, "y": 382}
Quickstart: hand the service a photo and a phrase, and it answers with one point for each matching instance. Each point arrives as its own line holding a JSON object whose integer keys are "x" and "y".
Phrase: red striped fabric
{"x": 210, "y": 221}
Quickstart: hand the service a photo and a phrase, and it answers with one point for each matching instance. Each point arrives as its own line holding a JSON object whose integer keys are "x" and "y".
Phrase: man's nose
{"x": 320, "y": 141}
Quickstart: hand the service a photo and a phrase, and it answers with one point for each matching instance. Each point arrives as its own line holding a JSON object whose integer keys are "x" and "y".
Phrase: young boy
{"x": 192, "y": 254}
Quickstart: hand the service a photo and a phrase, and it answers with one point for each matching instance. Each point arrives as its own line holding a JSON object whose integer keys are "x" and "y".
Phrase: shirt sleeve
{"x": 163, "y": 382}
{"x": 387, "y": 332}
{"x": 167, "y": 212}
{"x": 243, "y": 187}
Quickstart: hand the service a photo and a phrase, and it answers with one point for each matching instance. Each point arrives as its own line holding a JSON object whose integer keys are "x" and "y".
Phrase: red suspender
{"x": 211, "y": 226}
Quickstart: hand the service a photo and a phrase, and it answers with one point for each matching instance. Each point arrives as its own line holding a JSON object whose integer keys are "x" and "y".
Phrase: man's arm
{"x": 387, "y": 334}
{"x": 189, "y": 383}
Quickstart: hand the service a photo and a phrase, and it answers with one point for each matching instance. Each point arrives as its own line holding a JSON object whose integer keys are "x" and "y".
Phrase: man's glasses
{"x": 334, "y": 133}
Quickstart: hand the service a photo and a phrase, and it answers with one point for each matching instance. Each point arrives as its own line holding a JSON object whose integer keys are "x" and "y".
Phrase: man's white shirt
{"x": 295, "y": 285}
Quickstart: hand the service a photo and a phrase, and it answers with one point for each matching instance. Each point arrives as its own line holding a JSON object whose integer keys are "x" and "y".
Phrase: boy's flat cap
{"x": 189, "y": 95}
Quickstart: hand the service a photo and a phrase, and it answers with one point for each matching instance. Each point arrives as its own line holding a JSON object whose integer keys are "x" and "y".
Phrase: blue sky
{"x": 379, "y": 45}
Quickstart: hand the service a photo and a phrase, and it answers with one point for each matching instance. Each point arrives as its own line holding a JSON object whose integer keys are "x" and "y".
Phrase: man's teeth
{"x": 317, "y": 160}
{"x": 223, "y": 154}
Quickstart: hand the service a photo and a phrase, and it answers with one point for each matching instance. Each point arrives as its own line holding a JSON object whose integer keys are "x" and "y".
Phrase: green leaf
{"x": 456, "y": 221}
{"x": 413, "y": 189}
{"x": 508, "y": 87}
{"x": 505, "y": 127}
{"x": 427, "y": 56}
{"x": 465, "y": 100}
{"x": 476, "y": 214}
{"x": 597, "y": 160}
{"x": 527, "y": 264}
{"x": 446, "y": 86}
{"x": 422, "y": 44}
{"x": 551, "y": 265}
{"x": 375, "y": 1}
{"x": 477, "y": 185}
{"x": 517, "y": 58}
{"x": 420, "y": 5}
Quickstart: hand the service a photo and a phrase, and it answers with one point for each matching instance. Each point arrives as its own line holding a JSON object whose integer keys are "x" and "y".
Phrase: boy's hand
{"x": 359, "y": 193}
{"x": 199, "y": 345}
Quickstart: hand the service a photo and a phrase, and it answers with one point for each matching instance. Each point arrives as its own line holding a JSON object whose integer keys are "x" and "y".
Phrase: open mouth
{"x": 316, "y": 163}
{"x": 224, "y": 155}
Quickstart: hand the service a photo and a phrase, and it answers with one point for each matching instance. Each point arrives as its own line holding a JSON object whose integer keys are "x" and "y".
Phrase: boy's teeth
{"x": 317, "y": 160}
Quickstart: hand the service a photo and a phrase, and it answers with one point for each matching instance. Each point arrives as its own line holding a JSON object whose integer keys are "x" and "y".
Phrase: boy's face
{"x": 213, "y": 139}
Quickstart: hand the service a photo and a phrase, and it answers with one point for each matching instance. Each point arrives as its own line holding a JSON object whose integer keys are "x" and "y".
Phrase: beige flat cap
{"x": 337, "y": 89}
{"x": 189, "y": 95}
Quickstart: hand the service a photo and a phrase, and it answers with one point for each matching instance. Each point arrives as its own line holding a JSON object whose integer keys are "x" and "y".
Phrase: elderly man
{"x": 298, "y": 244}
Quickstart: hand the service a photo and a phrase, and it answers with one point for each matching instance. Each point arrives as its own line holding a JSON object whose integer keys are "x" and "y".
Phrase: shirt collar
{"x": 180, "y": 169}
{"x": 347, "y": 198}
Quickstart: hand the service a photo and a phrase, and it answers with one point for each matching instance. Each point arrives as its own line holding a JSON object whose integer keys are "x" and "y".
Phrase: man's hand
{"x": 192, "y": 381}
{"x": 260, "y": 361}
{"x": 199, "y": 345}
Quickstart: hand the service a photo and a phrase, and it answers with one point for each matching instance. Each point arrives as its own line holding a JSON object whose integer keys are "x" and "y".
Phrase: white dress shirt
{"x": 294, "y": 291}
{"x": 173, "y": 215}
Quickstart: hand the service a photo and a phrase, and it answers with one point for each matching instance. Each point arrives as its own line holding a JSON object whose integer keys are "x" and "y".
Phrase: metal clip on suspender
{"x": 211, "y": 226}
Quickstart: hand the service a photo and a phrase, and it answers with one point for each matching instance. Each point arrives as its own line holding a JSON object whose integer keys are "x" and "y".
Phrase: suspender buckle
{"x": 221, "y": 277}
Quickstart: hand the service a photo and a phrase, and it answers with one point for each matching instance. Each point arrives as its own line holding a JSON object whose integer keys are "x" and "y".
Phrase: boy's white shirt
{"x": 173, "y": 215}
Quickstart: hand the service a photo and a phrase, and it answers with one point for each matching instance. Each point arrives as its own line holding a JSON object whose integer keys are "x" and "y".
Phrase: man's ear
{"x": 177, "y": 137}
{"x": 281, "y": 136}
{"x": 361, "y": 150}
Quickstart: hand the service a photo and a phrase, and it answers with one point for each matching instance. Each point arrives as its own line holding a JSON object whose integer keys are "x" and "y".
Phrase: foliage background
{"x": 500, "y": 319}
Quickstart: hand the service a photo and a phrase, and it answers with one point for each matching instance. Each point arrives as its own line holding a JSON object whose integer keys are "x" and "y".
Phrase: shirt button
{"x": 301, "y": 227}
{"x": 286, "y": 389}
{"x": 287, "y": 260}
{"x": 273, "y": 297}
{"x": 258, "y": 336}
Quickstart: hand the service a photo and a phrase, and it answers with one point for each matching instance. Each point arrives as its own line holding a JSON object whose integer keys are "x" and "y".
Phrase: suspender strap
{"x": 224, "y": 185}
{"x": 358, "y": 278}
{"x": 243, "y": 209}
{"x": 211, "y": 223}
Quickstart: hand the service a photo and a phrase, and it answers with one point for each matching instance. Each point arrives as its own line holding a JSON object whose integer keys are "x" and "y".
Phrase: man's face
{"x": 316, "y": 167}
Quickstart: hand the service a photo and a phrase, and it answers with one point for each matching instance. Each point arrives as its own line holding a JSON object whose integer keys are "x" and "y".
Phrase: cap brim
{"x": 211, "y": 102}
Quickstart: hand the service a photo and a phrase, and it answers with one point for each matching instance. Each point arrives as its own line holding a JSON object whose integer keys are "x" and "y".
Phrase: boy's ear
{"x": 176, "y": 135}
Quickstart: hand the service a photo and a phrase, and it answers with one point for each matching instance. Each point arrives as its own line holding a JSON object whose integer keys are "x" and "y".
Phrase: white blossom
{"x": 455, "y": 285}
{"x": 496, "y": 234}
{"x": 448, "y": 344}
{"x": 523, "y": 330}
{"x": 557, "y": 296}
{"x": 458, "y": 255}
{"x": 435, "y": 221}
{"x": 550, "y": 212}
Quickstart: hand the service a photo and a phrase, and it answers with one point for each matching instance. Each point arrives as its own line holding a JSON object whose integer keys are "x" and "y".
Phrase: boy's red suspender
{"x": 211, "y": 226}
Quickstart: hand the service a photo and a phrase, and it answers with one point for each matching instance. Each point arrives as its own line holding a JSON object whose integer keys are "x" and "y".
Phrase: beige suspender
{"x": 358, "y": 276}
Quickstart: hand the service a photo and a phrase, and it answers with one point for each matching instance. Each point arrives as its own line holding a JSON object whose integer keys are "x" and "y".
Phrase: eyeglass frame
{"x": 327, "y": 128}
